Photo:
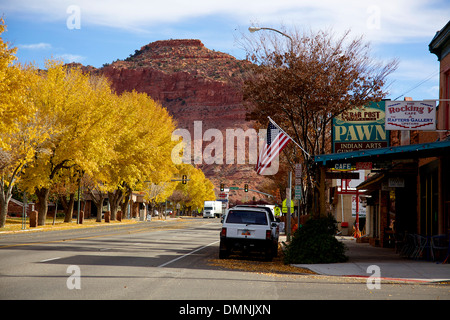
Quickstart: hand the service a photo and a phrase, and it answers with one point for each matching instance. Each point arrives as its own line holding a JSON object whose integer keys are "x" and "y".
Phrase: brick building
{"x": 15, "y": 208}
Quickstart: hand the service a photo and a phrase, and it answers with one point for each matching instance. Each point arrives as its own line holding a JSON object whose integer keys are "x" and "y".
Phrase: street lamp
{"x": 254, "y": 29}
{"x": 288, "y": 196}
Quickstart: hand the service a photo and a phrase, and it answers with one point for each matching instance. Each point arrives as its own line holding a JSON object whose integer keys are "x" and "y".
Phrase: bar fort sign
{"x": 360, "y": 128}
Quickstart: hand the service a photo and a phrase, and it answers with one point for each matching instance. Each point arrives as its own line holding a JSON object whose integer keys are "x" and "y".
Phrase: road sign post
{"x": 298, "y": 188}
{"x": 288, "y": 205}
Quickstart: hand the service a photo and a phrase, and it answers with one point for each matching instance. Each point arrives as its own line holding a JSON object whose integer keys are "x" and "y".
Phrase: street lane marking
{"x": 146, "y": 229}
{"x": 72, "y": 239}
{"x": 187, "y": 254}
{"x": 51, "y": 259}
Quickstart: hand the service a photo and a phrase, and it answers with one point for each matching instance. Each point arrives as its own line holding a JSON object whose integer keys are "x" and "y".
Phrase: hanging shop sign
{"x": 343, "y": 166}
{"x": 364, "y": 166}
{"x": 396, "y": 182}
{"x": 410, "y": 115}
{"x": 360, "y": 128}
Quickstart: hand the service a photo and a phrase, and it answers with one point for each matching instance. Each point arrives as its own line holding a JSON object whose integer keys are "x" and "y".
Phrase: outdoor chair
{"x": 409, "y": 246}
{"x": 440, "y": 243}
{"x": 423, "y": 243}
{"x": 400, "y": 242}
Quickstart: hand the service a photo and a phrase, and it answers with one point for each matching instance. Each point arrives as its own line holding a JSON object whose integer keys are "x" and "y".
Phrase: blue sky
{"x": 94, "y": 32}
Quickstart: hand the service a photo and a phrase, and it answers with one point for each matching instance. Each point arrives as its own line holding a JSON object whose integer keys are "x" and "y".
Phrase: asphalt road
{"x": 163, "y": 261}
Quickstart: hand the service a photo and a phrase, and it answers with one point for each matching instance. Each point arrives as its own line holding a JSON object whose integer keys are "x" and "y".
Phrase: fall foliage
{"x": 61, "y": 127}
{"x": 304, "y": 84}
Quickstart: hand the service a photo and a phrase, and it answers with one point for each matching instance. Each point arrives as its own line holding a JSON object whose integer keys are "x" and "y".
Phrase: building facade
{"x": 407, "y": 191}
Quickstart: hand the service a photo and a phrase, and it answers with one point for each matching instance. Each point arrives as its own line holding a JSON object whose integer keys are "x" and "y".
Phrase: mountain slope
{"x": 194, "y": 84}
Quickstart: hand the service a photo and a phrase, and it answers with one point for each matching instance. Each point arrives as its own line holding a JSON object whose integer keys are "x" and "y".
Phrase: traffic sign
{"x": 298, "y": 192}
{"x": 298, "y": 170}
{"x": 277, "y": 211}
{"x": 284, "y": 207}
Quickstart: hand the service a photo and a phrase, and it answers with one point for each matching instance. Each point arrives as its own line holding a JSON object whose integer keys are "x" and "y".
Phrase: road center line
{"x": 187, "y": 254}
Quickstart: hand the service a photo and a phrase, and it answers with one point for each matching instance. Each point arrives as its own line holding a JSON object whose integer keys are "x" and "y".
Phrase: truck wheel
{"x": 275, "y": 249}
{"x": 269, "y": 254}
{"x": 223, "y": 254}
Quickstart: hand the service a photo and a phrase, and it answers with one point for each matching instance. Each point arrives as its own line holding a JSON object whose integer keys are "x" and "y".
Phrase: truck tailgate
{"x": 244, "y": 231}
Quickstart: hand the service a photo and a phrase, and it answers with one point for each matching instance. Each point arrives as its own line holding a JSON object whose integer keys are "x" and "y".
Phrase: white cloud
{"x": 35, "y": 46}
{"x": 418, "y": 69}
{"x": 433, "y": 91}
{"x": 416, "y": 78}
{"x": 68, "y": 57}
{"x": 381, "y": 21}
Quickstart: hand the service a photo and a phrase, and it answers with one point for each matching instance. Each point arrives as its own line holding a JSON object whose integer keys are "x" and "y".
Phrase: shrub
{"x": 315, "y": 242}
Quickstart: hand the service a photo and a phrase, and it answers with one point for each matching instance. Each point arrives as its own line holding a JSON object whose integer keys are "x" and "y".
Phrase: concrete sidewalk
{"x": 391, "y": 265}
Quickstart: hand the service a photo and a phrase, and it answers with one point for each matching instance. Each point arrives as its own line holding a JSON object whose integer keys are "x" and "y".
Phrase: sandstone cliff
{"x": 194, "y": 84}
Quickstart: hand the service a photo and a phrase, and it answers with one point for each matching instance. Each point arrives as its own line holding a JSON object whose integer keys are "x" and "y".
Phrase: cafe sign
{"x": 360, "y": 128}
{"x": 410, "y": 115}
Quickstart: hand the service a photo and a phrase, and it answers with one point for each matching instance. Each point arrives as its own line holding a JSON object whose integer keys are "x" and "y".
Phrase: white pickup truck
{"x": 248, "y": 229}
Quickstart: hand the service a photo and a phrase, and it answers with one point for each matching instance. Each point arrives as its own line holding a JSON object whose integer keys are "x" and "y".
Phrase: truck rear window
{"x": 247, "y": 217}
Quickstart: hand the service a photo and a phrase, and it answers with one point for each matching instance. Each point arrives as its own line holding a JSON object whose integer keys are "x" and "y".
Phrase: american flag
{"x": 275, "y": 142}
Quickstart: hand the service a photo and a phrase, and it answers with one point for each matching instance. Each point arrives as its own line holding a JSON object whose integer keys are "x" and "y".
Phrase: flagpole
{"x": 288, "y": 136}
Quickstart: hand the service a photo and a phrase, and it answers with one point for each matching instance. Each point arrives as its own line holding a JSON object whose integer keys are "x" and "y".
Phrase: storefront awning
{"x": 414, "y": 151}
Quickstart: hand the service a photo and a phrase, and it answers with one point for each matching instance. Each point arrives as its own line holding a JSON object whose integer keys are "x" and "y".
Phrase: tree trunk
{"x": 99, "y": 204}
{"x": 68, "y": 206}
{"x": 98, "y": 199}
{"x": 3, "y": 211}
{"x": 124, "y": 205}
{"x": 42, "y": 195}
{"x": 115, "y": 198}
{"x": 5, "y": 196}
{"x": 321, "y": 192}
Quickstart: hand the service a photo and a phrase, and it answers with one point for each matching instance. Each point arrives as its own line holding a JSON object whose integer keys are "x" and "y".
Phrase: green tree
{"x": 315, "y": 242}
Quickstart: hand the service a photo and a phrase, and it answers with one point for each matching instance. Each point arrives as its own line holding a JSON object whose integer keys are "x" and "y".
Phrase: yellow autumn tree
{"x": 14, "y": 80}
{"x": 75, "y": 108}
{"x": 197, "y": 190}
{"x": 142, "y": 150}
{"x": 19, "y": 134}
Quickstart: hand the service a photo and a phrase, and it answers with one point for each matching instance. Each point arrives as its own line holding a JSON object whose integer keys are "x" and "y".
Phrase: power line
{"x": 418, "y": 85}
{"x": 423, "y": 81}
